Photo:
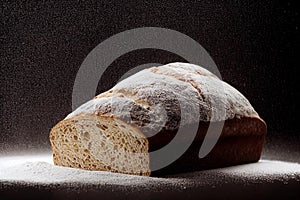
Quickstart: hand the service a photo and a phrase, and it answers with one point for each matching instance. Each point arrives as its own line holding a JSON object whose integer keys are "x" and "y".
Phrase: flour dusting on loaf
{"x": 194, "y": 87}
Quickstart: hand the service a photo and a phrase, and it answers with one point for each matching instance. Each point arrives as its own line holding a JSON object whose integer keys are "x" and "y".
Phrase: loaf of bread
{"x": 117, "y": 130}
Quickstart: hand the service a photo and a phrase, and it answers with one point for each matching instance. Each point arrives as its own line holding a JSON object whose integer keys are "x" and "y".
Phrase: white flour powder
{"x": 40, "y": 169}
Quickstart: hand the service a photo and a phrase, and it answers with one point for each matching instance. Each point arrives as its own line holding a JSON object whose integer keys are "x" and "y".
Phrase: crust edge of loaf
{"x": 230, "y": 150}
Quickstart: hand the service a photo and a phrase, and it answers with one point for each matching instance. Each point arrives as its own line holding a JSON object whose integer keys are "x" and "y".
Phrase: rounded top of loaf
{"x": 168, "y": 96}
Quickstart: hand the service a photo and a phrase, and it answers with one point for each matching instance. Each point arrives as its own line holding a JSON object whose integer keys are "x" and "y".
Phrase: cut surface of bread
{"x": 100, "y": 143}
{"x": 117, "y": 130}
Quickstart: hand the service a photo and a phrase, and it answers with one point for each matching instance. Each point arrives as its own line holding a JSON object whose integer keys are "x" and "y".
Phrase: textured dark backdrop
{"x": 254, "y": 44}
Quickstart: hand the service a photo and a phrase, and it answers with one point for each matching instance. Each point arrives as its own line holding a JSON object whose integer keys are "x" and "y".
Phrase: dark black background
{"x": 43, "y": 43}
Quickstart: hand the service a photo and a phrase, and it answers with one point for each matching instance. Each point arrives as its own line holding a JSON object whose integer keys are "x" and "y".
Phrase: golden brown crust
{"x": 227, "y": 152}
{"x": 242, "y": 127}
{"x": 241, "y": 142}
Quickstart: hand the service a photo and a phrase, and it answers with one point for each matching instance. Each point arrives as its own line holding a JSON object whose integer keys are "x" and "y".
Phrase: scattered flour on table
{"x": 40, "y": 170}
